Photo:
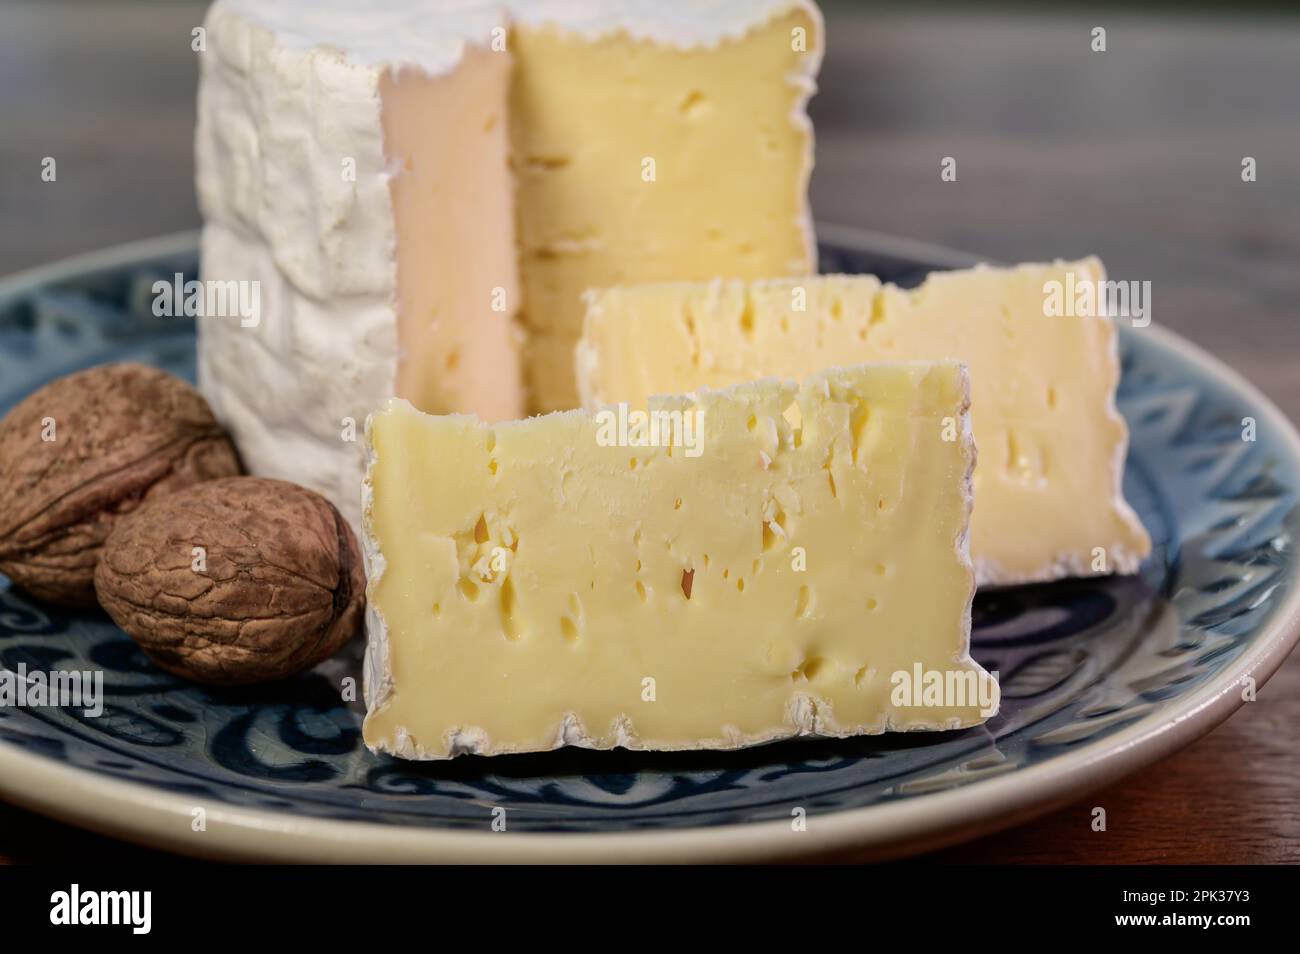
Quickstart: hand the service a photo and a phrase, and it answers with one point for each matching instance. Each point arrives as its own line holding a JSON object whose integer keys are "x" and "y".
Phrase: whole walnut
{"x": 84, "y": 450}
{"x": 235, "y": 581}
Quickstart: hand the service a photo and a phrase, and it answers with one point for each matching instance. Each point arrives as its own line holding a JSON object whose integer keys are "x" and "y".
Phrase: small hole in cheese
{"x": 747, "y": 317}
{"x": 794, "y": 417}
{"x": 809, "y": 669}
{"x": 688, "y": 580}
{"x": 877, "y": 312}
{"x": 859, "y": 417}
{"x": 692, "y": 104}
{"x": 774, "y": 530}
{"x": 509, "y": 614}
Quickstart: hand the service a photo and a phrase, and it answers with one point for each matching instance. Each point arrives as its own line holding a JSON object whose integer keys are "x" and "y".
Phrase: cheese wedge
{"x": 421, "y": 190}
{"x": 1048, "y": 495}
{"x": 782, "y": 561}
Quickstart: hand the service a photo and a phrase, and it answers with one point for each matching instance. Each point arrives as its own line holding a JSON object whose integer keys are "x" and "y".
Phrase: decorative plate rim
{"x": 146, "y": 815}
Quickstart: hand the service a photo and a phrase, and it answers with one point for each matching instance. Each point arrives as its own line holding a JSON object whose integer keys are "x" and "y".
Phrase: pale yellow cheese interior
{"x": 532, "y": 579}
{"x": 564, "y": 162}
{"x": 1050, "y": 442}
{"x": 730, "y": 172}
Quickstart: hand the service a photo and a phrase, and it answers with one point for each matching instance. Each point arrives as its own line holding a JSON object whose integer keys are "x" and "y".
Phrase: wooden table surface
{"x": 1133, "y": 154}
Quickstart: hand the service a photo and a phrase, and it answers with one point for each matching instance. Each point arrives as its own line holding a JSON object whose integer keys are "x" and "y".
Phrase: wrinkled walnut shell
{"x": 123, "y": 434}
{"x": 235, "y": 581}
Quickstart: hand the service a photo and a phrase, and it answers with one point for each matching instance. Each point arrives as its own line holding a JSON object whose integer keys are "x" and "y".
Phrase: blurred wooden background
{"x": 1133, "y": 154}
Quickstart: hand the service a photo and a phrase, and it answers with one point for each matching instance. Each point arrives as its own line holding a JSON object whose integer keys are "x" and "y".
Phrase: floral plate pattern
{"x": 1098, "y": 676}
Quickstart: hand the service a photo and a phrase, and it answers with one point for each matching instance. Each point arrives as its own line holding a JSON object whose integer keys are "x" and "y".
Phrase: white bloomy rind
{"x": 274, "y": 122}
{"x": 289, "y": 90}
{"x": 377, "y": 673}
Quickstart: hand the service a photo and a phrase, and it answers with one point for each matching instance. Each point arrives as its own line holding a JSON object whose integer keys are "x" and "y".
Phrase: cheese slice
{"x": 785, "y": 561}
{"x": 421, "y": 190}
{"x": 1048, "y": 495}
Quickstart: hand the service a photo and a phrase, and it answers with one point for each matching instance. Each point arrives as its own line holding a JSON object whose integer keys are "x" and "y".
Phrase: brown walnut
{"x": 235, "y": 581}
{"x": 86, "y": 449}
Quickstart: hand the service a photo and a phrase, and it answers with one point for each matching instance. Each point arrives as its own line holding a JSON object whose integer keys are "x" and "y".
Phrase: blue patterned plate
{"x": 1099, "y": 677}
